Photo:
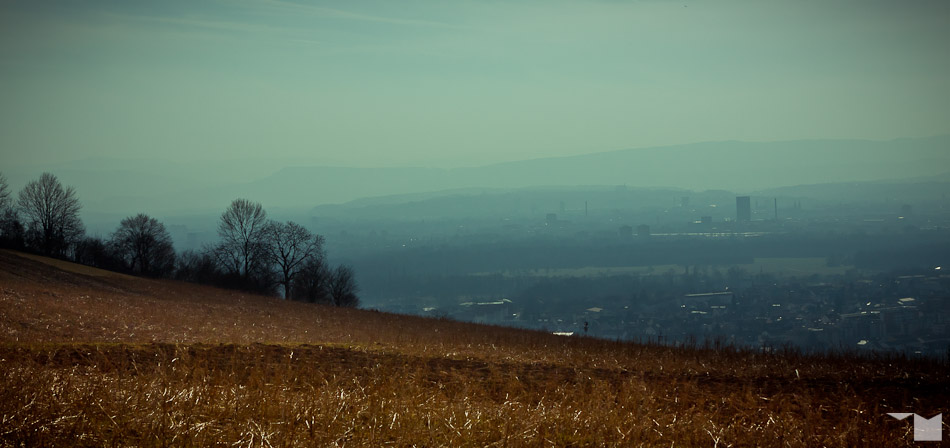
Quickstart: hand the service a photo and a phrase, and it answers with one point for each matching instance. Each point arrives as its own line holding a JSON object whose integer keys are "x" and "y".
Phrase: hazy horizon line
{"x": 313, "y": 162}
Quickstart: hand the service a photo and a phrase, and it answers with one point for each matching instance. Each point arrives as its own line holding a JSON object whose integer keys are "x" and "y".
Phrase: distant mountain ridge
{"x": 729, "y": 165}
{"x": 745, "y": 166}
{"x": 571, "y": 201}
{"x": 734, "y": 166}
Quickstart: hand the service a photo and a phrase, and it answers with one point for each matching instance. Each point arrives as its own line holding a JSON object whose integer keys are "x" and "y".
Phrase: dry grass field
{"x": 92, "y": 358}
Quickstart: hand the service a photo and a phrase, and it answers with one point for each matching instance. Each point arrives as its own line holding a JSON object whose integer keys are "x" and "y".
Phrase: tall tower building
{"x": 743, "y": 208}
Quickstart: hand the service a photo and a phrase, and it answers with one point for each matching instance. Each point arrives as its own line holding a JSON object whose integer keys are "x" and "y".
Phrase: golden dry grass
{"x": 122, "y": 361}
{"x": 69, "y": 267}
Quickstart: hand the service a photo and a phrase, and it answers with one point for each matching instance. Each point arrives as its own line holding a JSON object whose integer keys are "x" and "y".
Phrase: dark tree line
{"x": 144, "y": 246}
{"x": 44, "y": 217}
{"x": 253, "y": 253}
{"x": 11, "y": 229}
{"x": 272, "y": 257}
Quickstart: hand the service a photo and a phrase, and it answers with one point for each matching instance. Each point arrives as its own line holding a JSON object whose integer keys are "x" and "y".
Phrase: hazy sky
{"x": 450, "y": 83}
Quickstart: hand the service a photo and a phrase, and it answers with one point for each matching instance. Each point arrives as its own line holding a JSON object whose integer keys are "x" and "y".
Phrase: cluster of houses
{"x": 909, "y": 313}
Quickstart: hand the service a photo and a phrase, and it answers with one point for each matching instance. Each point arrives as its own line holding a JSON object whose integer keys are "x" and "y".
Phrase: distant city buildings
{"x": 743, "y": 209}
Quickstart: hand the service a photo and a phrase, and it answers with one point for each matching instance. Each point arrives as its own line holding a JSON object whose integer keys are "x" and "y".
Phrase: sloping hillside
{"x": 47, "y": 300}
{"x": 93, "y": 358}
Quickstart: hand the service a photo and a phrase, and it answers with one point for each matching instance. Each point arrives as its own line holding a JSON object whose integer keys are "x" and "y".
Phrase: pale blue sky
{"x": 455, "y": 83}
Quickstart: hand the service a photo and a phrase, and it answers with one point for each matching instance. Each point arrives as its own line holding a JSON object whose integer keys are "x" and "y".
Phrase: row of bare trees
{"x": 253, "y": 253}
{"x": 44, "y": 217}
{"x": 257, "y": 252}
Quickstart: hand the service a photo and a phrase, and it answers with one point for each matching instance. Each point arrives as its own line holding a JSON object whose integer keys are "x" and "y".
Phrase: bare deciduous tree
{"x": 342, "y": 288}
{"x": 94, "y": 251}
{"x": 199, "y": 266}
{"x": 4, "y": 193}
{"x": 144, "y": 245}
{"x": 289, "y": 246}
{"x": 312, "y": 282}
{"x": 52, "y": 214}
{"x": 242, "y": 249}
{"x": 11, "y": 230}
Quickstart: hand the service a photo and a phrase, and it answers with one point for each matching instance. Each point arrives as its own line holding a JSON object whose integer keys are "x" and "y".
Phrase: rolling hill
{"x": 124, "y": 186}
{"x": 731, "y": 165}
{"x": 92, "y": 358}
{"x": 534, "y": 202}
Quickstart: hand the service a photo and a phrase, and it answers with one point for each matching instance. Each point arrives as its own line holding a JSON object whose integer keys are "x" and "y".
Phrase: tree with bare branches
{"x": 289, "y": 246}
{"x": 144, "y": 245}
{"x": 51, "y": 212}
{"x": 5, "y": 198}
{"x": 312, "y": 281}
{"x": 242, "y": 249}
{"x": 11, "y": 229}
{"x": 342, "y": 288}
